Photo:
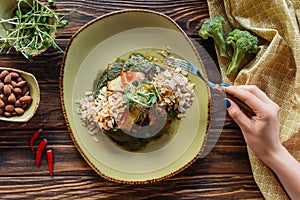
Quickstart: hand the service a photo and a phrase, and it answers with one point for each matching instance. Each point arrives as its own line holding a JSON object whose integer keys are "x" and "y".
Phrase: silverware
{"x": 189, "y": 67}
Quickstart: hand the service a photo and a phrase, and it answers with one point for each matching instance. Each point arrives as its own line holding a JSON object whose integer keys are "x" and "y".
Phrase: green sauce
{"x": 130, "y": 143}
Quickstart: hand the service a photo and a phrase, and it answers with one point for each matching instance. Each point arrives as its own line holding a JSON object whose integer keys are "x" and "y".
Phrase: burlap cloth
{"x": 275, "y": 69}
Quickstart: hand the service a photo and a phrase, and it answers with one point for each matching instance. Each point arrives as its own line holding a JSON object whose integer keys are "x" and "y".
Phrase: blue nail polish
{"x": 226, "y": 102}
{"x": 225, "y": 84}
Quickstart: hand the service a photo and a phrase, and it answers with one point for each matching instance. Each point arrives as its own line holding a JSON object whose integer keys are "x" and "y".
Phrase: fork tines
{"x": 175, "y": 62}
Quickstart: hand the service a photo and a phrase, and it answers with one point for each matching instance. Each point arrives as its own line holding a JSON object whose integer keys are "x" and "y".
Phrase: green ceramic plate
{"x": 100, "y": 42}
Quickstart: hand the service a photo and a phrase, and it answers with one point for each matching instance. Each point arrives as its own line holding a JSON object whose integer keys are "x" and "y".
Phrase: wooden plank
{"x": 91, "y": 187}
{"x": 188, "y": 13}
{"x": 229, "y": 155}
{"x": 49, "y": 114}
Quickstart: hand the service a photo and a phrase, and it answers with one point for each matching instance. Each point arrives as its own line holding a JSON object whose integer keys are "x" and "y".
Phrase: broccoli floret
{"x": 213, "y": 28}
{"x": 242, "y": 42}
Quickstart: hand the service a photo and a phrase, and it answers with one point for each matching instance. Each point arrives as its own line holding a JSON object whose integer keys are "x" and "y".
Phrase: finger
{"x": 257, "y": 92}
{"x": 236, "y": 114}
{"x": 255, "y": 103}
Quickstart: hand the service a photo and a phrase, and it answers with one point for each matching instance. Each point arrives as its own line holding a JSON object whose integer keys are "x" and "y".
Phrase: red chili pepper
{"x": 50, "y": 161}
{"x": 39, "y": 152}
{"x": 33, "y": 138}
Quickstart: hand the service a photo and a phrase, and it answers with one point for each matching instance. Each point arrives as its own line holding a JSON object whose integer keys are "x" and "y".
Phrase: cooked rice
{"x": 103, "y": 112}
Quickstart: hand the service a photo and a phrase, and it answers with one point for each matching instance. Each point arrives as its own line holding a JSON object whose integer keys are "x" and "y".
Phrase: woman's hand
{"x": 261, "y": 133}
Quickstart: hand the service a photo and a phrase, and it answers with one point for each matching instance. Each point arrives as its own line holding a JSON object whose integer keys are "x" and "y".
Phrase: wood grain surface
{"x": 225, "y": 173}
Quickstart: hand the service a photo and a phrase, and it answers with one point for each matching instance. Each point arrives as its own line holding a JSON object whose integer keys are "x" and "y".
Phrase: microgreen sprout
{"x": 52, "y": 3}
{"x": 62, "y": 23}
{"x": 32, "y": 29}
{"x": 143, "y": 94}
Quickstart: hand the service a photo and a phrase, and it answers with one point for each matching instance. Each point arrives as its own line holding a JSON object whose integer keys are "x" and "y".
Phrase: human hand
{"x": 261, "y": 132}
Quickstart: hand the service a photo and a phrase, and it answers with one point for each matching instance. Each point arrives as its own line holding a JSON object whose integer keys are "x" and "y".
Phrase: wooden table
{"x": 225, "y": 173}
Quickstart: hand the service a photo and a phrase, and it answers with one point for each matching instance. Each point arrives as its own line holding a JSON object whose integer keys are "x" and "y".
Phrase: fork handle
{"x": 244, "y": 107}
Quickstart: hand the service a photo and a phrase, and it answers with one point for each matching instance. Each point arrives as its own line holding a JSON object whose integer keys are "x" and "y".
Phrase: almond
{"x": 27, "y": 93}
{"x": 14, "y": 75}
{"x": 17, "y": 91}
{"x": 18, "y": 103}
{"x": 25, "y": 89}
{"x": 21, "y": 84}
{"x": 3, "y": 74}
{"x": 24, "y": 106}
{"x": 7, "y": 114}
{"x": 2, "y": 104}
{"x": 19, "y": 111}
{"x": 7, "y": 78}
{"x": 9, "y": 108}
{"x": 6, "y": 90}
{"x": 1, "y": 87}
{"x": 25, "y": 99}
{"x": 12, "y": 98}
{"x": 19, "y": 79}
{"x": 13, "y": 83}
{"x": 4, "y": 99}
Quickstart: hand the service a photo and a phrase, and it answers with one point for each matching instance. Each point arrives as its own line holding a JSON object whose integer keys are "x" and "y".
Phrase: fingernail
{"x": 225, "y": 84}
{"x": 226, "y": 102}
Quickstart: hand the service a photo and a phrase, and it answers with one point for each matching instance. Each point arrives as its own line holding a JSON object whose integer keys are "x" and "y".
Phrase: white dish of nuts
{"x": 19, "y": 95}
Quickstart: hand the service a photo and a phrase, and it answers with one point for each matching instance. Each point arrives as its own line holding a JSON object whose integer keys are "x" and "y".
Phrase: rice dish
{"x": 136, "y": 100}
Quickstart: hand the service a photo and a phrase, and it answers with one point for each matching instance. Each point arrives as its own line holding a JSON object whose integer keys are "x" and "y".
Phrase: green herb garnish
{"x": 138, "y": 62}
{"x": 62, "y": 23}
{"x": 143, "y": 94}
{"x": 32, "y": 29}
{"x": 52, "y": 3}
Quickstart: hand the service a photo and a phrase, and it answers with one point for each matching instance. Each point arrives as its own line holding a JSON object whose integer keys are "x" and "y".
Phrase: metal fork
{"x": 189, "y": 67}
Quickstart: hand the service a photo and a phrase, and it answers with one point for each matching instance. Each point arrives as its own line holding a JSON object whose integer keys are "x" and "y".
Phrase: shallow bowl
{"x": 91, "y": 49}
{"x": 34, "y": 93}
{"x": 7, "y": 9}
